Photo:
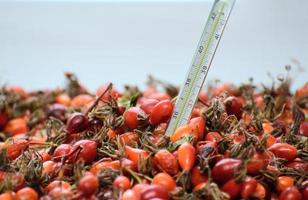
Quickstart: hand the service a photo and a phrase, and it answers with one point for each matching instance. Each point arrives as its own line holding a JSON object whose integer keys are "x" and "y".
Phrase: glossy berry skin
{"x": 186, "y": 156}
{"x": 166, "y": 162}
{"x": 138, "y": 188}
{"x": 148, "y": 104}
{"x": 161, "y": 112}
{"x": 88, "y": 184}
{"x": 199, "y": 122}
{"x": 87, "y": 151}
{"x": 76, "y": 123}
{"x": 185, "y": 130}
{"x": 121, "y": 182}
{"x": 305, "y": 192}
{"x": 291, "y": 193}
{"x": 131, "y": 117}
{"x": 232, "y": 188}
{"x": 27, "y": 193}
{"x": 129, "y": 164}
{"x": 249, "y": 185}
{"x": 61, "y": 151}
{"x": 270, "y": 141}
{"x": 257, "y": 162}
{"x": 159, "y": 96}
{"x": 197, "y": 176}
{"x": 95, "y": 125}
{"x": 225, "y": 169}
{"x": 7, "y": 196}
{"x": 164, "y": 180}
{"x": 284, "y": 150}
{"x": 57, "y": 111}
{"x": 16, "y": 148}
{"x": 130, "y": 195}
{"x": 260, "y": 192}
{"x": 154, "y": 191}
{"x": 283, "y": 182}
{"x": 303, "y": 130}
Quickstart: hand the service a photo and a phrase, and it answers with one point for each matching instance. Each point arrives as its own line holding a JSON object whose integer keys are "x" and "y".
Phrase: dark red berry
{"x": 234, "y": 106}
{"x": 57, "y": 111}
{"x": 291, "y": 193}
{"x": 95, "y": 124}
{"x": 76, "y": 123}
{"x": 225, "y": 169}
{"x": 83, "y": 150}
{"x": 3, "y": 120}
{"x": 303, "y": 130}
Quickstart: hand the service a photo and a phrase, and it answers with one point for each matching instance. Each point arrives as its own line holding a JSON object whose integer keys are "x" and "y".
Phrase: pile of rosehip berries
{"x": 240, "y": 143}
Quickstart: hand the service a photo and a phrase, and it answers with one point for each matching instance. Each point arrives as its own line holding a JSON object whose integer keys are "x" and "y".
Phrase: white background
{"x": 123, "y": 41}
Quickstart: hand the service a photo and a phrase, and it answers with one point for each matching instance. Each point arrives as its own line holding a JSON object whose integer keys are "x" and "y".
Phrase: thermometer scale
{"x": 201, "y": 63}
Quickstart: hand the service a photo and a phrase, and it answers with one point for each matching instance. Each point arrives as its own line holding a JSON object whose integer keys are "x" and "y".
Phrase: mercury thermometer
{"x": 201, "y": 63}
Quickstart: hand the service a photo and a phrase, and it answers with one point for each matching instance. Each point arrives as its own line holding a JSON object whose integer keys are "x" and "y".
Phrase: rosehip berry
{"x": 88, "y": 184}
{"x": 303, "y": 130}
{"x": 234, "y": 106}
{"x": 76, "y": 123}
{"x": 57, "y": 111}
{"x": 3, "y": 120}
{"x": 132, "y": 117}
